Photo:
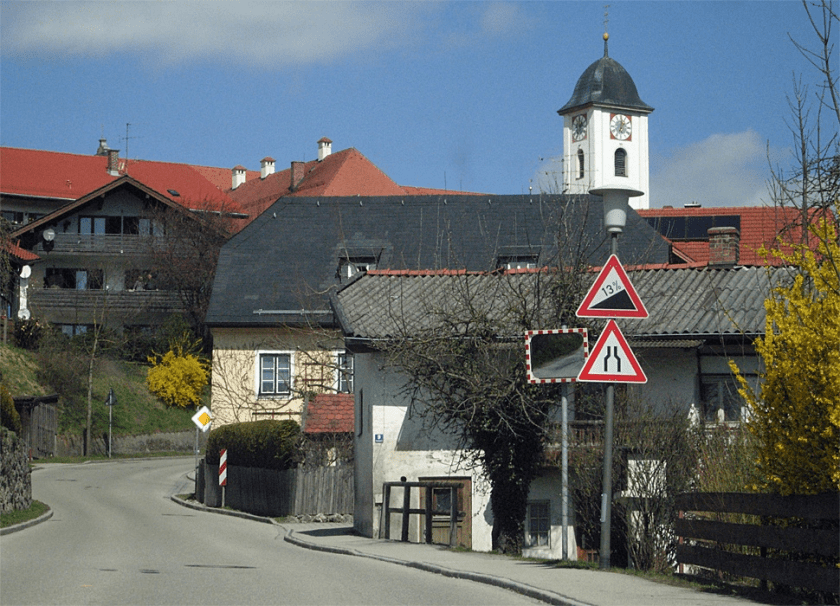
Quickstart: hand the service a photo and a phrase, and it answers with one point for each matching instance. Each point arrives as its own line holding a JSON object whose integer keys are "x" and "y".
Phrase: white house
{"x": 700, "y": 318}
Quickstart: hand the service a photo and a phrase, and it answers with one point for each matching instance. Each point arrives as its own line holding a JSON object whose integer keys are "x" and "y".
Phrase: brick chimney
{"x": 266, "y": 167}
{"x": 114, "y": 162}
{"x": 238, "y": 176}
{"x": 297, "y": 174}
{"x": 324, "y": 148}
{"x": 724, "y": 246}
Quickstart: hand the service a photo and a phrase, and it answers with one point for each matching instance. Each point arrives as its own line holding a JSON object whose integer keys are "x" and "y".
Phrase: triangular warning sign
{"x": 612, "y": 360}
{"x": 612, "y": 295}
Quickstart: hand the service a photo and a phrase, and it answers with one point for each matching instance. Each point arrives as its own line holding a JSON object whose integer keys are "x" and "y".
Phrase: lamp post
{"x": 616, "y": 197}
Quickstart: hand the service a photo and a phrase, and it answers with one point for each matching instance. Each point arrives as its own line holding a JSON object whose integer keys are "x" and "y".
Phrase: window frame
{"x": 731, "y": 384}
{"x": 540, "y": 534}
{"x": 258, "y": 387}
{"x": 620, "y": 171}
{"x": 340, "y": 358}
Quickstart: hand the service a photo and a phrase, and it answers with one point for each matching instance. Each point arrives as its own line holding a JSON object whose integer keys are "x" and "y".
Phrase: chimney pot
{"x": 238, "y": 176}
{"x": 266, "y": 167}
{"x": 724, "y": 246}
{"x": 296, "y": 174}
{"x": 324, "y": 148}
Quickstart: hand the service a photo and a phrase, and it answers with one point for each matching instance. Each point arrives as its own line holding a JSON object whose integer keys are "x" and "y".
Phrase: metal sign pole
{"x": 606, "y": 483}
{"x": 564, "y": 466}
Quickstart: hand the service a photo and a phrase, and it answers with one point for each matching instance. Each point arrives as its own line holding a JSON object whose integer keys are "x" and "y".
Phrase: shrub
{"x": 9, "y": 417}
{"x": 28, "y": 334}
{"x": 266, "y": 444}
{"x": 178, "y": 378}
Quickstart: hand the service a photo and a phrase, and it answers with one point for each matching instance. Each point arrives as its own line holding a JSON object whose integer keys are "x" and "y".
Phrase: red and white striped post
{"x": 223, "y": 472}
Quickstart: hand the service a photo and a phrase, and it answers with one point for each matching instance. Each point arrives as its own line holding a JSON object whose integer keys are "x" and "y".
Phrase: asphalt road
{"x": 116, "y": 538}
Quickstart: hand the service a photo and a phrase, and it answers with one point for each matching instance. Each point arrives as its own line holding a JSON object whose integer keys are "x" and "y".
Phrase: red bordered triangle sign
{"x": 612, "y": 360}
{"x": 612, "y": 295}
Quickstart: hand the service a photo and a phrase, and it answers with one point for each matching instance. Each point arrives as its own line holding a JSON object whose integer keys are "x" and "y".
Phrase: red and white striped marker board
{"x": 223, "y": 468}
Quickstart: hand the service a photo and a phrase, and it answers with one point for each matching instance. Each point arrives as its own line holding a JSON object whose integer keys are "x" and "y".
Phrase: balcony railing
{"x": 69, "y": 306}
{"x": 100, "y": 243}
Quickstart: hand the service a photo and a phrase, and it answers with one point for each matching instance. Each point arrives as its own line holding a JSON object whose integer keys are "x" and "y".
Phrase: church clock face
{"x": 579, "y": 128}
{"x": 620, "y": 127}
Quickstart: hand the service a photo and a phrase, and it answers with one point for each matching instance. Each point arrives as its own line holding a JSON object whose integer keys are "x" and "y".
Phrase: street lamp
{"x": 616, "y": 201}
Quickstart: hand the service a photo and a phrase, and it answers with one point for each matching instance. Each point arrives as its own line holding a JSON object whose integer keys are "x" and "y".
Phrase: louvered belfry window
{"x": 581, "y": 164}
{"x": 620, "y": 163}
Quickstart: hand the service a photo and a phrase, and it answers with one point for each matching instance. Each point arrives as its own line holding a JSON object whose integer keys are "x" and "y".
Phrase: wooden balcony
{"x": 99, "y": 244}
{"x": 69, "y": 306}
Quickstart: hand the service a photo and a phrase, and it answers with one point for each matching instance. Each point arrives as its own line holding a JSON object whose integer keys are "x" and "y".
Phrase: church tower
{"x": 605, "y": 132}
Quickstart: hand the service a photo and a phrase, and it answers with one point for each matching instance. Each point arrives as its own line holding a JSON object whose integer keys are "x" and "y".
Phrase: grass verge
{"x": 20, "y": 516}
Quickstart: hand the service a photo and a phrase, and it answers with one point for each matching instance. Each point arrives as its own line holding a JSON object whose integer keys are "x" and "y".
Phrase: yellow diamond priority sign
{"x": 203, "y": 418}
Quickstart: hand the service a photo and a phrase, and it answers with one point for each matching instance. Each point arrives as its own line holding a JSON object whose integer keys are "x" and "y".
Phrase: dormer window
{"x": 581, "y": 164}
{"x": 620, "y": 163}
{"x": 350, "y": 266}
{"x": 520, "y": 261}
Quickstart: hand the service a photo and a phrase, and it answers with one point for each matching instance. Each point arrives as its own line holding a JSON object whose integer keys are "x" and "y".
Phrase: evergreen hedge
{"x": 265, "y": 444}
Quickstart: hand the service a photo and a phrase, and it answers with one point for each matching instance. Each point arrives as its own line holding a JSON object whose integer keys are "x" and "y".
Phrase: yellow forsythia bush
{"x": 796, "y": 415}
{"x": 178, "y": 377}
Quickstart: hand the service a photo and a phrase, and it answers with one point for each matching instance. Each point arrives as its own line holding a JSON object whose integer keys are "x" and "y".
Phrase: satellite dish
{"x": 49, "y": 234}
{"x": 25, "y": 272}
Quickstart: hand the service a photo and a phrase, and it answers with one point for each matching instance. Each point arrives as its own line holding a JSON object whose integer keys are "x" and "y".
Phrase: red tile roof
{"x": 21, "y": 253}
{"x": 344, "y": 173}
{"x": 759, "y": 226}
{"x": 30, "y": 172}
{"x": 330, "y": 413}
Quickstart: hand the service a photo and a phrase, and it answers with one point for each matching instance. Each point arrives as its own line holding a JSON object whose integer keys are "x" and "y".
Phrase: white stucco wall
{"x": 393, "y": 444}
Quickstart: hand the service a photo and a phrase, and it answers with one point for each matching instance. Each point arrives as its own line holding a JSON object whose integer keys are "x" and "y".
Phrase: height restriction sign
{"x": 612, "y": 295}
{"x": 612, "y": 360}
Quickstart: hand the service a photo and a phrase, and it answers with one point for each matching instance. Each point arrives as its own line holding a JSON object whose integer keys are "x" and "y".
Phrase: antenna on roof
{"x": 127, "y": 138}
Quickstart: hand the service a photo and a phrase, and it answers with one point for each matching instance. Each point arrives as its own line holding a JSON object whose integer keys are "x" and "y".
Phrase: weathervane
{"x": 606, "y": 23}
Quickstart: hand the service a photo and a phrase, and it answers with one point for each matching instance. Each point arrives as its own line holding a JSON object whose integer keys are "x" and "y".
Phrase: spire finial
{"x": 606, "y": 22}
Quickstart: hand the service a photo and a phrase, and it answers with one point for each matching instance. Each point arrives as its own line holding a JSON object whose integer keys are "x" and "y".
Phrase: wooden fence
{"x": 796, "y": 542}
{"x": 39, "y": 422}
{"x": 274, "y": 493}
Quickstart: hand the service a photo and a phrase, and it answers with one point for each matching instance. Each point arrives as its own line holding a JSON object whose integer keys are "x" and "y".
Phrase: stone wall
{"x": 181, "y": 441}
{"x": 15, "y": 473}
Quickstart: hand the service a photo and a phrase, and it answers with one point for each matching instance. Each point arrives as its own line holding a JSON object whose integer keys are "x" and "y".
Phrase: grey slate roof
{"x": 605, "y": 82}
{"x": 684, "y": 304}
{"x": 286, "y": 260}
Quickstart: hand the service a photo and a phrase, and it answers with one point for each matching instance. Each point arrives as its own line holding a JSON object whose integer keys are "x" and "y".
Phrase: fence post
{"x": 386, "y": 508}
{"x": 453, "y": 515}
{"x": 405, "y": 515}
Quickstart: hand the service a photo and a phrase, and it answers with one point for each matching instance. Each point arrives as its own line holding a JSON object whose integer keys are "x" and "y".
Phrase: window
{"x": 620, "y": 163}
{"x": 525, "y": 261}
{"x": 77, "y": 279}
{"x": 113, "y": 225}
{"x": 719, "y": 398}
{"x": 73, "y": 330}
{"x": 538, "y": 524}
{"x": 350, "y": 266}
{"x": 275, "y": 377}
{"x": 581, "y": 164}
{"x": 345, "y": 372}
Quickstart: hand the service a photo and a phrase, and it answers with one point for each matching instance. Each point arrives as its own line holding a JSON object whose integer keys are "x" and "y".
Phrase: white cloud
{"x": 722, "y": 170}
{"x": 256, "y": 33}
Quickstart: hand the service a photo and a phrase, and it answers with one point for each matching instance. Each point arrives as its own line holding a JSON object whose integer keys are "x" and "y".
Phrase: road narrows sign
{"x": 223, "y": 468}
{"x": 612, "y": 360}
{"x": 612, "y": 295}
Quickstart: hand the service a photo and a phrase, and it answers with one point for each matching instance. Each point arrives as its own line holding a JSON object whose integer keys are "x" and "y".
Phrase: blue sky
{"x": 460, "y": 94}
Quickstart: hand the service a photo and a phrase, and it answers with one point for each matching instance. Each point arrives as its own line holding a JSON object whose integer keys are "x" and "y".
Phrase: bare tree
{"x": 184, "y": 252}
{"x": 811, "y": 183}
{"x": 463, "y": 358}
